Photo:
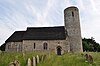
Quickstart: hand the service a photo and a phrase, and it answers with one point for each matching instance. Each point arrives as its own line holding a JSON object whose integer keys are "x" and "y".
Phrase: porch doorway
{"x": 59, "y": 50}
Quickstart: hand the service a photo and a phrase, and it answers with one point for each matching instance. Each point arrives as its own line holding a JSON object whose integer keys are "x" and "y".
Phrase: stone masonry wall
{"x": 14, "y": 46}
{"x": 28, "y": 45}
{"x": 72, "y": 26}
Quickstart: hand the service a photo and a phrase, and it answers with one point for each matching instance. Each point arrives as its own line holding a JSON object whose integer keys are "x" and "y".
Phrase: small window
{"x": 45, "y": 46}
{"x": 73, "y": 14}
{"x": 34, "y": 46}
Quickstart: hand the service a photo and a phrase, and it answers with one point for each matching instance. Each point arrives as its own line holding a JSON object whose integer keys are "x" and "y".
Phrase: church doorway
{"x": 59, "y": 50}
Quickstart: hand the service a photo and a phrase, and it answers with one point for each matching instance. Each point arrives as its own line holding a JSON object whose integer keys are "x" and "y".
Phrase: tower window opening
{"x": 73, "y": 14}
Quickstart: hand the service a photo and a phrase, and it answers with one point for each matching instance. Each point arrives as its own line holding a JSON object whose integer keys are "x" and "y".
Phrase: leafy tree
{"x": 85, "y": 46}
{"x": 90, "y": 45}
{"x": 2, "y": 47}
{"x": 99, "y": 48}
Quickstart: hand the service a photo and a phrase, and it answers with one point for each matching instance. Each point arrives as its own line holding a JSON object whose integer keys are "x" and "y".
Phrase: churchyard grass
{"x": 71, "y": 59}
{"x": 7, "y": 57}
{"x": 67, "y": 59}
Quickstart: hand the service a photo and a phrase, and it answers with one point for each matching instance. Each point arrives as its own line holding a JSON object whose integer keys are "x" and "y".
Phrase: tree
{"x": 85, "y": 46}
{"x": 90, "y": 45}
{"x": 2, "y": 47}
{"x": 99, "y": 48}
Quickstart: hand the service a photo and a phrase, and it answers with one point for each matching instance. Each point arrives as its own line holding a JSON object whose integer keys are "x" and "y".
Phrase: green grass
{"x": 68, "y": 59}
{"x": 7, "y": 57}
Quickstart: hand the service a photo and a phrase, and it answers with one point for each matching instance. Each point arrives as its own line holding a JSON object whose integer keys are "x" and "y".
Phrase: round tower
{"x": 72, "y": 26}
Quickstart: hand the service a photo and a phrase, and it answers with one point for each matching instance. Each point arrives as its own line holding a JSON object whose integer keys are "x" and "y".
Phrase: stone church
{"x": 58, "y": 39}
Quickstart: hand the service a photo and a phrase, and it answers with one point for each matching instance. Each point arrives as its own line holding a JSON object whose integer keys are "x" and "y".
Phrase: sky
{"x": 17, "y": 15}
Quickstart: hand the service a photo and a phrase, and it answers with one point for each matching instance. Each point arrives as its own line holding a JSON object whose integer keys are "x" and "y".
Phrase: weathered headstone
{"x": 29, "y": 62}
{"x": 43, "y": 57}
{"x": 16, "y": 62}
{"x": 90, "y": 59}
{"x": 12, "y": 64}
{"x": 37, "y": 57}
{"x": 86, "y": 56}
{"x": 34, "y": 61}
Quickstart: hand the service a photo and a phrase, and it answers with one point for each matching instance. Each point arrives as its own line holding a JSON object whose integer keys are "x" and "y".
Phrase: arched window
{"x": 45, "y": 46}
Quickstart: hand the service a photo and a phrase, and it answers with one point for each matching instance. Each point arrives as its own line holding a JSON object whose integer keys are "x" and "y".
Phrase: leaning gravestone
{"x": 37, "y": 57}
{"x": 11, "y": 64}
{"x": 42, "y": 57}
{"x": 29, "y": 63}
{"x": 34, "y": 61}
{"x": 90, "y": 59}
{"x": 86, "y": 56}
{"x": 17, "y": 63}
{"x": 14, "y": 63}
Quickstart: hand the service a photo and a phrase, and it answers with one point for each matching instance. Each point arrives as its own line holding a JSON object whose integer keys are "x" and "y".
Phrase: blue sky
{"x": 17, "y": 15}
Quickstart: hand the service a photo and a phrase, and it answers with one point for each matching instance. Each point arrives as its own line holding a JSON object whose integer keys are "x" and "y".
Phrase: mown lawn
{"x": 68, "y": 59}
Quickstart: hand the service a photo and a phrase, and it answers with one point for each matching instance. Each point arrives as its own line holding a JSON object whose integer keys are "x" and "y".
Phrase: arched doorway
{"x": 59, "y": 50}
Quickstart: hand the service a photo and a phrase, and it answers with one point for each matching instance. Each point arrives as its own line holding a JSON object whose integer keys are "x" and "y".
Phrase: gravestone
{"x": 17, "y": 63}
{"x": 43, "y": 57}
{"x": 86, "y": 56}
{"x": 29, "y": 63}
{"x": 14, "y": 63}
{"x": 37, "y": 57}
{"x": 34, "y": 61}
{"x": 11, "y": 64}
{"x": 90, "y": 59}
